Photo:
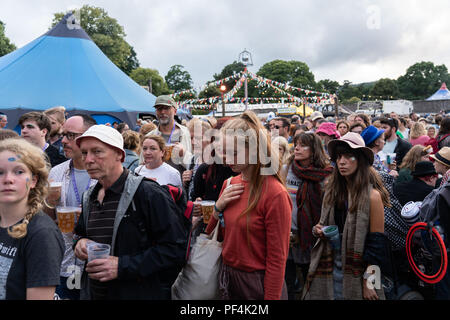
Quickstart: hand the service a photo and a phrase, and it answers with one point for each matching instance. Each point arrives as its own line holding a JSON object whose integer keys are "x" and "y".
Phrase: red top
{"x": 269, "y": 228}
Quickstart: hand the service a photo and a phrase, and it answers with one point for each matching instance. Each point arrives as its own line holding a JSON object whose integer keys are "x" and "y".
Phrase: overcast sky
{"x": 359, "y": 41}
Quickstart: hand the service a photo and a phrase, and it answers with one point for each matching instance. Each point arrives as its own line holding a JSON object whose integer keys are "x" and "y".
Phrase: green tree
{"x": 178, "y": 79}
{"x": 108, "y": 35}
{"x": 328, "y": 85}
{"x": 422, "y": 80}
{"x": 385, "y": 89}
{"x": 293, "y": 73}
{"x": 142, "y": 76}
{"x": 5, "y": 44}
{"x": 210, "y": 91}
{"x": 347, "y": 91}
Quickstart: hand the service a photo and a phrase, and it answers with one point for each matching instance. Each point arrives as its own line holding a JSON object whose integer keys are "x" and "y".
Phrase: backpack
{"x": 429, "y": 210}
{"x": 185, "y": 206}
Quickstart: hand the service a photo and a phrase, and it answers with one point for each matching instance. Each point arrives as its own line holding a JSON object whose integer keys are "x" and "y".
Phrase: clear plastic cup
{"x": 97, "y": 250}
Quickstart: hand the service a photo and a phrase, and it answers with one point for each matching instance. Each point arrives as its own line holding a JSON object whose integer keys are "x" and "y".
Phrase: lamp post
{"x": 245, "y": 58}
{"x": 222, "y": 89}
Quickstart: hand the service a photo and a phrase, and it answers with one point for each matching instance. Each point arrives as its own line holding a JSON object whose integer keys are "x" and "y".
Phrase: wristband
{"x": 217, "y": 210}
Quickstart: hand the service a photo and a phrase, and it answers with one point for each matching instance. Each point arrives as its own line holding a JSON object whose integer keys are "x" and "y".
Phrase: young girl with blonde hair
{"x": 32, "y": 245}
{"x": 254, "y": 213}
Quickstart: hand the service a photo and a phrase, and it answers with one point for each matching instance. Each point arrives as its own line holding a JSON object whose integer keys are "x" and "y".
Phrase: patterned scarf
{"x": 319, "y": 283}
{"x": 309, "y": 200}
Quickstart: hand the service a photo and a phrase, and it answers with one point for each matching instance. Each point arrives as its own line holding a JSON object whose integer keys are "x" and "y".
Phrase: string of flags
{"x": 210, "y": 84}
{"x": 310, "y": 96}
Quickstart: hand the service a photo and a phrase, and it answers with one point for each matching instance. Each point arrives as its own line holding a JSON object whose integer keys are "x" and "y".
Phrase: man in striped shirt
{"x": 135, "y": 216}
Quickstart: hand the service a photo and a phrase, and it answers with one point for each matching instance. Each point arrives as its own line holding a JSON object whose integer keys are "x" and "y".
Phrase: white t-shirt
{"x": 389, "y": 147}
{"x": 164, "y": 174}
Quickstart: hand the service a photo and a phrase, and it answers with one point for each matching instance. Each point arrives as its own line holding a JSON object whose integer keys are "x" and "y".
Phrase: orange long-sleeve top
{"x": 269, "y": 228}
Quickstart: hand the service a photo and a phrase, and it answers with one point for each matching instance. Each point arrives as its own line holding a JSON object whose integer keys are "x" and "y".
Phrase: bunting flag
{"x": 210, "y": 84}
{"x": 310, "y": 96}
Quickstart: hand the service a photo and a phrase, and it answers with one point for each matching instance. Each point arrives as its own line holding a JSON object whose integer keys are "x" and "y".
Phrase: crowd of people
{"x": 278, "y": 184}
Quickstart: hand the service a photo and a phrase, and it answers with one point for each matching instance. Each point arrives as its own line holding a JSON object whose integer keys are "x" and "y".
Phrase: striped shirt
{"x": 101, "y": 223}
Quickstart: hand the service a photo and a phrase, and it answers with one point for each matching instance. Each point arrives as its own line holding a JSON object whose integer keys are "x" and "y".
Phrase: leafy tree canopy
{"x": 178, "y": 79}
{"x": 142, "y": 77}
{"x": 108, "y": 35}
{"x": 5, "y": 44}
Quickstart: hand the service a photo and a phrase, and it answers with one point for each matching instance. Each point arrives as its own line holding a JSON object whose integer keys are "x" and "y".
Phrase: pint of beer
{"x": 168, "y": 153}
{"x": 66, "y": 218}
{"x": 54, "y": 192}
{"x": 207, "y": 210}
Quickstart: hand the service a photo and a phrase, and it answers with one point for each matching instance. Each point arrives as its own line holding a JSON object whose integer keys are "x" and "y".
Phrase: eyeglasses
{"x": 277, "y": 127}
{"x": 71, "y": 135}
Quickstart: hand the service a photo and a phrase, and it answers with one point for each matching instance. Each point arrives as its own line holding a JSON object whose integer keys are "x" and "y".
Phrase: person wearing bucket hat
{"x": 442, "y": 164}
{"x": 327, "y": 132}
{"x": 174, "y": 134}
{"x": 423, "y": 182}
{"x": 106, "y": 135}
{"x": 354, "y": 195}
{"x": 117, "y": 211}
{"x": 395, "y": 228}
{"x": 374, "y": 139}
{"x": 315, "y": 117}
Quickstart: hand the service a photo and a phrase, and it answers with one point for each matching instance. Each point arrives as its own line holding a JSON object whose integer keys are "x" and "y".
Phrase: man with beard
{"x": 173, "y": 133}
{"x": 394, "y": 144}
{"x": 57, "y": 116}
{"x": 74, "y": 181}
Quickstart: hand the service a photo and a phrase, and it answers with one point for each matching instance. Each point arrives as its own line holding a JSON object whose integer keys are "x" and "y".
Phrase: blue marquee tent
{"x": 64, "y": 67}
{"x": 442, "y": 94}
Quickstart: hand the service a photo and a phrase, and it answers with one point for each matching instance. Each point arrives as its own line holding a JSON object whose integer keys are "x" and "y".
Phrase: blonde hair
{"x": 413, "y": 156}
{"x": 249, "y": 121}
{"x": 206, "y": 125}
{"x": 131, "y": 140}
{"x": 146, "y": 128}
{"x": 283, "y": 143}
{"x": 417, "y": 130}
{"x": 36, "y": 161}
{"x": 58, "y": 112}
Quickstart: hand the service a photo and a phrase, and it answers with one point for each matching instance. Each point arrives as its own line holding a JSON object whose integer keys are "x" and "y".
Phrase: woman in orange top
{"x": 255, "y": 215}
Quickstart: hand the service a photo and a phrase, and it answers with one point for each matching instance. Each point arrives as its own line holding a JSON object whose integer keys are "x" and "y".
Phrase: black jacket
{"x": 414, "y": 190}
{"x": 401, "y": 150}
{"x": 150, "y": 243}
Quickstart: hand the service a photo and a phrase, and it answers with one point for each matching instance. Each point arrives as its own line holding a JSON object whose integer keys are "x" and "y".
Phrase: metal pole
{"x": 245, "y": 90}
{"x": 336, "y": 106}
{"x": 304, "y": 110}
{"x": 150, "y": 89}
{"x": 223, "y": 106}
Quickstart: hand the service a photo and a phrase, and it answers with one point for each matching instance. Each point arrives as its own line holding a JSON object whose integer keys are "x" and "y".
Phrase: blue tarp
{"x": 64, "y": 67}
{"x": 442, "y": 94}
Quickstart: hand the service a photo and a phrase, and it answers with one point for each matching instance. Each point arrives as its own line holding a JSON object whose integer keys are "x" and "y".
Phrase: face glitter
{"x": 12, "y": 159}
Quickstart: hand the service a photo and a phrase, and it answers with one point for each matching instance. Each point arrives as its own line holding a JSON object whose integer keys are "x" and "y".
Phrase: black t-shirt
{"x": 54, "y": 156}
{"x": 30, "y": 262}
{"x": 208, "y": 188}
